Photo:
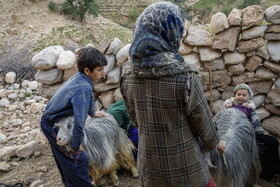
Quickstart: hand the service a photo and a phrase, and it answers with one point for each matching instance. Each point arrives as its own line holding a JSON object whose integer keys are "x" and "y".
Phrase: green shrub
{"x": 226, "y": 11}
{"x": 133, "y": 14}
{"x": 248, "y": 3}
{"x": 53, "y": 6}
{"x": 79, "y": 8}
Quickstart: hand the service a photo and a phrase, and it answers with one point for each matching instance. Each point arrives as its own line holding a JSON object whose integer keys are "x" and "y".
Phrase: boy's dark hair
{"x": 90, "y": 58}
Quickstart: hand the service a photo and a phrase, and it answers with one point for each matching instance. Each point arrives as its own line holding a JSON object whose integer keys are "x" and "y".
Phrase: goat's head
{"x": 65, "y": 128}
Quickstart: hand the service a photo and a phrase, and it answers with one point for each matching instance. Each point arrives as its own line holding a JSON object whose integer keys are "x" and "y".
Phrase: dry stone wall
{"x": 243, "y": 47}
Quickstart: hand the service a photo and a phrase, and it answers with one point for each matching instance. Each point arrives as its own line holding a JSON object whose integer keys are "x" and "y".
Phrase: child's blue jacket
{"x": 74, "y": 97}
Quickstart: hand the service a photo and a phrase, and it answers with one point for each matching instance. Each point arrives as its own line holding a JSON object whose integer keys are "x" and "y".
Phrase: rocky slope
{"x": 26, "y": 27}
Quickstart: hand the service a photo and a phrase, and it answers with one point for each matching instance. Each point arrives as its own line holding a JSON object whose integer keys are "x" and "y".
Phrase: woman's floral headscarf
{"x": 157, "y": 36}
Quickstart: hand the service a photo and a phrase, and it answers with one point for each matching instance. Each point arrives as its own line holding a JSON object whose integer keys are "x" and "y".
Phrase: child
{"x": 119, "y": 111}
{"x": 74, "y": 97}
{"x": 243, "y": 100}
{"x": 268, "y": 145}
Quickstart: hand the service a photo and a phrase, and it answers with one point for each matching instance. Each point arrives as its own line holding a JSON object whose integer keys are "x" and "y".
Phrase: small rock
{"x": 43, "y": 169}
{"x": 3, "y": 138}
{"x": 4, "y": 102}
{"x": 33, "y": 85}
{"x": 25, "y": 83}
{"x": 36, "y": 183}
{"x": 10, "y": 77}
{"x": 5, "y": 167}
{"x": 2, "y": 116}
{"x": 37, "y": 154}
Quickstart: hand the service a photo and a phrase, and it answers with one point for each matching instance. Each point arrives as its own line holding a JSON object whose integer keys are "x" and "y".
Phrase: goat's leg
{"x": 132, "y": 168}
{"x": 134, "y": 171}
{"x": 112, "y": 173}
{"x": 128, "y": 163}
{"x": 95, "y": 175}
{"x": 114, "y": 178}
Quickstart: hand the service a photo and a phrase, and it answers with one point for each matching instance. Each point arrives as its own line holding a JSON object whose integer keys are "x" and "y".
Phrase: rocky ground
{"x": 25, "y": 154}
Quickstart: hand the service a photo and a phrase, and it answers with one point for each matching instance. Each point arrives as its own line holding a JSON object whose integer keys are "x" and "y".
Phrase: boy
{"x": 74, "y": 97}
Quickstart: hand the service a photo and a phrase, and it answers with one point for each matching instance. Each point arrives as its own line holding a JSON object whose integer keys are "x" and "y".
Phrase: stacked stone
{"x": 236, "y": 49}
{"x": 55, "y": 65}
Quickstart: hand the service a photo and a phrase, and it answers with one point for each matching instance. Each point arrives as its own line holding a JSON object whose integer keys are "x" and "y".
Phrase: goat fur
{"x": 239, "y": 165}
{"x": 106, "y": 145}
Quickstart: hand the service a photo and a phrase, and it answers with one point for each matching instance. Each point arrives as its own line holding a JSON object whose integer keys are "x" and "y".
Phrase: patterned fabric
{"x": 157, "y": 35}
{"x": 247, "y": 111}
{"x": 168, "y": 149}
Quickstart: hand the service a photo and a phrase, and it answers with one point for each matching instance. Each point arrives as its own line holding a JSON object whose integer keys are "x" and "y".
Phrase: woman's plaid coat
{"x": 165, "y": 100}
{"x": 170, "y": 119}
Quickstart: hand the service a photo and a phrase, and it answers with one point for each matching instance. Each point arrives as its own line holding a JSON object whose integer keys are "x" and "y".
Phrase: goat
{"x": 239, "y": 165}
{"x": 106, "y": 145}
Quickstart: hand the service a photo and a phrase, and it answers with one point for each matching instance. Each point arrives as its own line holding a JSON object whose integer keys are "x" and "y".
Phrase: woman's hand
{"x": 228, "y": 105}
{"x": 99, "y": 114}
{"x": 221, "y": 147}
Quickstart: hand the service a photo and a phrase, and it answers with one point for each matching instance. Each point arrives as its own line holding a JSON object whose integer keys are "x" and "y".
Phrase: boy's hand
{"x": 228, "y": 105}
{"x": 99, "y": 114}
{"x": 245, "y": 105}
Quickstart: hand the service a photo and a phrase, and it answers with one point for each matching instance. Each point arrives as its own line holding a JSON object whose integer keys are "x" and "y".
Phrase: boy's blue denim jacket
{"x": 74, "y": 97}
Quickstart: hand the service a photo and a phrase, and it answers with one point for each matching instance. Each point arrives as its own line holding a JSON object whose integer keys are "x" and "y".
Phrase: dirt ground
{"x": 44, "y": 168}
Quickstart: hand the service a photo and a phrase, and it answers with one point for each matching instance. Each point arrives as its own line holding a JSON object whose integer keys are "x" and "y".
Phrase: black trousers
{"x": 269, "y": 155}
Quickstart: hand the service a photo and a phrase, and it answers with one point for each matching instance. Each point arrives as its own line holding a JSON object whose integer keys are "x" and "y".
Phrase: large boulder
{"x": 47, "y": 58}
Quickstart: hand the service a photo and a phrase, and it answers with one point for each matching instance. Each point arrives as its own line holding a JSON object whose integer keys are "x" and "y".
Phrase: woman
{"x": 165, "y": 101}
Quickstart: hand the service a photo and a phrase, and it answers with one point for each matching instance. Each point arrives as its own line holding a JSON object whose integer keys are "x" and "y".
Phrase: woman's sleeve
{"x": 200, "y": 115}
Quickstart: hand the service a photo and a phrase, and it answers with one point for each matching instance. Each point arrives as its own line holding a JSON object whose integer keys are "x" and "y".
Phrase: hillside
{"x": 125, "y": 12}
{"x": 29, "y": 26}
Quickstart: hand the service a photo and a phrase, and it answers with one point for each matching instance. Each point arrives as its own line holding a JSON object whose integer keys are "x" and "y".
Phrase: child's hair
{"x": 90, "y": 58}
